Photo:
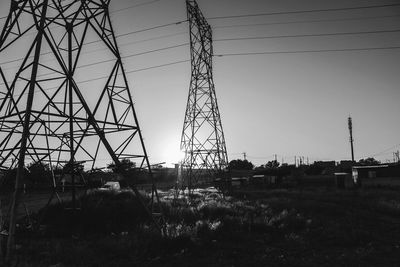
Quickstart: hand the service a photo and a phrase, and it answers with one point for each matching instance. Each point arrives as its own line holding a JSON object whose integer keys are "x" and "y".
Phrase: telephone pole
{"x": 350, "y": 123}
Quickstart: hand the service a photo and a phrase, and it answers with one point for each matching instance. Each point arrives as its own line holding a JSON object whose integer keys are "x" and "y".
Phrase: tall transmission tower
{"x": 202, "y": 137}
{"x": 54, "y": 108}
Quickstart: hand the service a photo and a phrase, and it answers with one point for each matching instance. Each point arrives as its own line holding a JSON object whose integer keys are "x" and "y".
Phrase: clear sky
{"x": 289, "y": 104}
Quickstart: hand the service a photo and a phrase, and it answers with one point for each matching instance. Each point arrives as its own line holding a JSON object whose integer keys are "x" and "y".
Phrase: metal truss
{"x": 202, "y": 137}
{"x": 52, "y": 108}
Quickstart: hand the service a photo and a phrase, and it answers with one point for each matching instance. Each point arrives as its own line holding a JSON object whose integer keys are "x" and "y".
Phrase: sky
{"x": 288, "y": 104}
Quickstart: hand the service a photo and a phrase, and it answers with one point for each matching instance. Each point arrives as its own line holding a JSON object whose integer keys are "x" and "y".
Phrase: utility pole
{"x": 350, "y": 123}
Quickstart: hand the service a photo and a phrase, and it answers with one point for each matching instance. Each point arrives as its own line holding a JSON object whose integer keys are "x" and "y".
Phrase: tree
{"x": 7, "y": 179}
{"x": 314, "y": 169}
{"x": 131, "y": 175}
{"x": 273, "y": 164}
{"x": 38, "y": 173}
{"x": 125, "y": 166}
{"x": 238, "y": 164}
{"x": 76, "y": 166}
{"x": 368, "y": 162}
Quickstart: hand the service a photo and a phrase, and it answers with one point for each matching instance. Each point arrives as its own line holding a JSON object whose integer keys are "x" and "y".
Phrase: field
{"x": 276, "y": 227}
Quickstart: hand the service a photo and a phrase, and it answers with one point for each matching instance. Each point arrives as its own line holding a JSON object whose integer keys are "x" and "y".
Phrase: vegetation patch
{"x": 274, "y": 228}
{"x": 101, "y": 212}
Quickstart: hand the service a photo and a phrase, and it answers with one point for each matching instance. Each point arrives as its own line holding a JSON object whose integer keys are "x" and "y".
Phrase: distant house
{"x": 388, "y": 174}
{"x": 264, "y": 179}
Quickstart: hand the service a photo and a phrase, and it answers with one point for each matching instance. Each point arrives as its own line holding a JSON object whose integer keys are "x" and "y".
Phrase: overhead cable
{"x": 306, "y": 51}
{"x": 116, "y": 36}
{"x": 301, "y": 21}
{"x": 306, "y": 35}
{"x": 123, "y": 57}
{"x": 126, "y": 72}
{"x": 303, "y": 11}
{"x": 133, "y": 6}
{"x": 118, "y": 10}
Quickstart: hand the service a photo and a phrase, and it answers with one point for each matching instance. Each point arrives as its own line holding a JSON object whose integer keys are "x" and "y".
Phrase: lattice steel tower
{"x": 54, "y": 107}
{"x": 202, "y": 137}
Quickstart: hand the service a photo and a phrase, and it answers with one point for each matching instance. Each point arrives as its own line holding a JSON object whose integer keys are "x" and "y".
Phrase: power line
{"x": 102, "y": 49}
{"x": 305, "y": 35}
{"x": 118, "y": 10}
{"x": 301, "y": 21}
{"x": 153, "y": 38}
{"x": 245, "y": 38}
{"x": 116, "y": 36}
{"x": 123, "y": 57}
{"x": 155, "y": 50}
{"x": 152, "y": 28}
{"x": 307, "y": 51}
{"x": 302, "y": 11}
{"x": 133, "y": 6}
{"x": 137, "y": 70}
{"x": 383, "y": 151}
{"x": 126, "y": 72}
{"x": 159, "y": 66}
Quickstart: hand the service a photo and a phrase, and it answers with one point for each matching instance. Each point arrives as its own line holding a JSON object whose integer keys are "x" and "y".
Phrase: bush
{"x": 101, "y": 212}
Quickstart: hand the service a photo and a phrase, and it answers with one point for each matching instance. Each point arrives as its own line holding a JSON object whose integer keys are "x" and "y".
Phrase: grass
{"x": 99, "y": 213}
{"x": 312, "y": 227}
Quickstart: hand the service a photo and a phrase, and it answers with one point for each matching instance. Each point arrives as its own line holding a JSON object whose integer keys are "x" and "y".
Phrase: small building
{"x": 343, "y": 180}
{"x": 387, "y": 174}
{"x": 262, "y": 179}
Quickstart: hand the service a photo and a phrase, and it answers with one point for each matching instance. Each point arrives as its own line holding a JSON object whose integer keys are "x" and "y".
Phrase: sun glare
{"x": 172, "y": 154}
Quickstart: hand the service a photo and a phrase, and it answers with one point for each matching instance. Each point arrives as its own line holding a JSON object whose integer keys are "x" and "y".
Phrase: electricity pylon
{"x": 54, "y": 108}
{"x": 202, "y": 137}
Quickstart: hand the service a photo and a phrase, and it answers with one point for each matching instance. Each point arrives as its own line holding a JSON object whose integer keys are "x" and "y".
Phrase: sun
{"x": 172, "y": 154}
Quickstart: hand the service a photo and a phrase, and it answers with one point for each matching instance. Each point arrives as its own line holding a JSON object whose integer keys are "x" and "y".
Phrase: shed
{"x": 385, "y": 174}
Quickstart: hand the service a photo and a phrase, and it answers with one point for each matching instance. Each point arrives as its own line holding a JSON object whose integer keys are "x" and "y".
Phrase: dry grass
{"x": 274, "y": 228}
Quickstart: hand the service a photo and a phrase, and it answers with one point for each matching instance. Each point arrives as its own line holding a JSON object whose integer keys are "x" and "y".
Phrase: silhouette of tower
{"x": 54, "y": 107}
{"x": 202, "y": 137}
{"x": 350, "y": 124}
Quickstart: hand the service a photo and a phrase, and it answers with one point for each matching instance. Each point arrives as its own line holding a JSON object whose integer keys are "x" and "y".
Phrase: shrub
{"x": 101, "y": 212}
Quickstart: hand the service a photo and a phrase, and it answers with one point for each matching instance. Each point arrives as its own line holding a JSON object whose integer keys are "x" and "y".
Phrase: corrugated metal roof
{"x": 370, "y": 167}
